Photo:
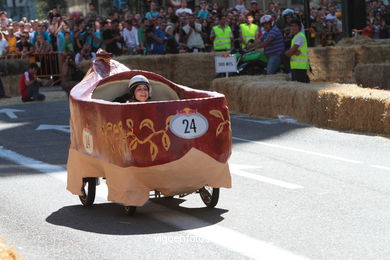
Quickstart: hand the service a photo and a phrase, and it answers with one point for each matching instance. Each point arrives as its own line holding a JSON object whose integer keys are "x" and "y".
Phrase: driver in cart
{"x": 139, "y": 90}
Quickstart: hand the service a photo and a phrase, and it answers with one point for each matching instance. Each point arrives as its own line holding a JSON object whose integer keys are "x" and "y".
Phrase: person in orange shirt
{"x": 11, "y": 38}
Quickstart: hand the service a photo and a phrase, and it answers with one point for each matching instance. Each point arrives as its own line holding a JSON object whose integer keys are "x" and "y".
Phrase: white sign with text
{"x": 225, "y": 63}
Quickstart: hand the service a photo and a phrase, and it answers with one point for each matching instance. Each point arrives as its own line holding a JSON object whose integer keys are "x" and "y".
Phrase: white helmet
{"x": 287, "y": 11}
{"x": 135, "y": 81}
{"x": 266, "y": 19}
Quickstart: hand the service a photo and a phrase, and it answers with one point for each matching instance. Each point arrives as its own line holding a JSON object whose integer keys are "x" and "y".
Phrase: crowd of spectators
{"x": 168, "y": 30}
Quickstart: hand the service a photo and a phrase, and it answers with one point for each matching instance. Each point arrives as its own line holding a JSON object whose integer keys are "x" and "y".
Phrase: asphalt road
{"x": 298, "y": 192}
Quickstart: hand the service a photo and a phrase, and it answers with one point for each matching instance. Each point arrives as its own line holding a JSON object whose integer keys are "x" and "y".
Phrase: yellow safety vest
{"x": 248, "y": 32}
{"x": 300, "y": 61}
{"x": 222, "y": 39}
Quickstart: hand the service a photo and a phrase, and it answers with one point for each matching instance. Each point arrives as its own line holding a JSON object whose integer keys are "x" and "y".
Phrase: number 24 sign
{"x": 189, "y": 126}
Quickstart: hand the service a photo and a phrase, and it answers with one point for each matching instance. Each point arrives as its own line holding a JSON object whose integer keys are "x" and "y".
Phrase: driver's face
{"x": 141, "y": 93}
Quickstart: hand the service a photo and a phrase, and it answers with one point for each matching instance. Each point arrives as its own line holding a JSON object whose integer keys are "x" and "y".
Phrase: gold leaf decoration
{"x": 129, "y": 123}
{"x": 216, "y": 113}
{"x": 148, "y": 123}
{"x": 133, "y": 144}
{"x": 167, "y": 121}
{"x": 219, "y": 129}
{"x": 153, "y": 150}
{"x": 166, "y": 141}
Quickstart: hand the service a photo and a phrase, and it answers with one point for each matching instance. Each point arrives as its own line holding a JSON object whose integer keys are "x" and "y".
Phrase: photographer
{"x": 112, "y": 38}
{"x": 155, "y": 39}
{"x": 193, "y": 36}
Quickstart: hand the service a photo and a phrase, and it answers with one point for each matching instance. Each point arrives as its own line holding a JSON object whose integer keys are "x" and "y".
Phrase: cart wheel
{"x": 89, "y": 192}
{"x": 209, "y": 196}
{"x": 130, "y": 210}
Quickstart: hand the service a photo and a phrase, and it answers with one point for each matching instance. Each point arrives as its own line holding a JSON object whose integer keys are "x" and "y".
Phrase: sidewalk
{"x": 53, "y": 93}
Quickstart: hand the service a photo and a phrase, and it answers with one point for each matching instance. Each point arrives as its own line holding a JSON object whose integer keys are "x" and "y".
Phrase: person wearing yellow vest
{"x": 248, "y": 30}
{"x": 299, "y": 53}
{"x": 222, "y": 36}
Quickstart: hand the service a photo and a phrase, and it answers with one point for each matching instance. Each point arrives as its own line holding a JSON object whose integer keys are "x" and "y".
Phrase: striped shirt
{"x": 276, "y": 47}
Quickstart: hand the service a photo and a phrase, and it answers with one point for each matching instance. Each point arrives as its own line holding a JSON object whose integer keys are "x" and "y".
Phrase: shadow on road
{"x": 109, "y": 218}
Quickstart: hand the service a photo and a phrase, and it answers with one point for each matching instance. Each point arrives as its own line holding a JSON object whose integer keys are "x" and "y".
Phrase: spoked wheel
{"x": 89, "y": 191}
{"x": 209, "y": 196}
{"x": 130, "y": 210}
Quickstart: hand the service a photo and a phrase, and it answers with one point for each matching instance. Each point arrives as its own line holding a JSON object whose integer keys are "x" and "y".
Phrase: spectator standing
{"x": 42, "y": 46}
{"x": 97, "y": 37}
{"x": 153, "y": 13}
{"x": 193, "y": 36}
{"x": 172, "y": 47}
{"x": 84, "y": 54}
{"x": 3, "y": 45}
{"x": 273, "y": 44}
{"x": 255, "y": 11}
{"x": 29, "y": 85}
{"x": 183, "y": 9}
{"x": 248, "y": 30}
{"x": 203, "y": 12}
{"x": 222, "y": 35}
{"x": 130, "y": 37}
{"x": 92, "y": 14}
{"x": 11, "y": 38}
{"x": 3, "y": 18}
{"x": 112, "y": 38}
{"x": 155, "y": 40}
{"x": 24, "y": 47}
{"x": 240, "y": 6}
{"x": 299, "y": 53}
{"x": 63, "y": 28}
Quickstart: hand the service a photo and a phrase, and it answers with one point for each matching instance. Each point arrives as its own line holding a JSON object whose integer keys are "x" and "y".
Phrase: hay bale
{"x": 373, "y": 75}
{"x": 360, "y": 40}
{"x": 332, "y": 64}
{"x": 372, "y": 54}
{"x": 195, "y": 70}
{"x": 11, "y": 85}
{"x": 340, "y": 106}
{"x": 7, "y": 253}
{"x": 13, "y": 67}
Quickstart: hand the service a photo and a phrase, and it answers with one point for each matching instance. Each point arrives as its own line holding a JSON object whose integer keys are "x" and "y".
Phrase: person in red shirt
{"x": 29, "y": 85}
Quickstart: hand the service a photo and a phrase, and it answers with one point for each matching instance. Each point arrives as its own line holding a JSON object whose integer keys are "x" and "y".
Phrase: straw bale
{"x": 7, "y": 253}
{"x": 372, "y": 54}
{"x": 340, "y": 106}
{"x": 373, "y": 75}
{"x": 195, "y": 70}
{"x": 332, "y": 64}
{"x": 11, "y": 85}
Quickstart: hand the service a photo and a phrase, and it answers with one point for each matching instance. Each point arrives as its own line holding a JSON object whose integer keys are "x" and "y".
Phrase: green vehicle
{"x": 251, "y": 63}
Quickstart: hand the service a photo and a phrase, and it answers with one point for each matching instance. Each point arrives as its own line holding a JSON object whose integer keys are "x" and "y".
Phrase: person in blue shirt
{"x": 40, "y": 30}
{"x": 203, "y": 12}
{"x": 153, "y": 13}
{"x": 155, "y": 40}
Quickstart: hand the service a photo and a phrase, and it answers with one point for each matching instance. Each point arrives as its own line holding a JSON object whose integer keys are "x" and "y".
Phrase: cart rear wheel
{"x": 89, "y": 191}
{"x": 209, "y": 196}
{"x": 130, "y": 210}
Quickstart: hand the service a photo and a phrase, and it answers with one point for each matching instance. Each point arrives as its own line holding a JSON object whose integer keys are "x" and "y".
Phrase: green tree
{"x": 44, "y": 6}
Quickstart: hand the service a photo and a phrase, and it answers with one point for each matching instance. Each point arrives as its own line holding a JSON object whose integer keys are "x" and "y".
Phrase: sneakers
{"x": 29, "y": 99}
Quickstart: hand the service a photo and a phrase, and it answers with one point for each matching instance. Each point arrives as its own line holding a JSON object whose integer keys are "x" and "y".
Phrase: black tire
{"x": 88, "y": 196}
{"x": 130, "y": 210}
{"x": 209, "y": 196}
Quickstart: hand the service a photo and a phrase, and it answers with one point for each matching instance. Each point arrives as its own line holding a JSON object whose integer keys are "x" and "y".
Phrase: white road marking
{"x": 298, "y": 150}
{"x": 238, "y": 169}
{"x": 259, "y": 121}
{"x": 10, "y": 112}
{"x": 381, "y": 167}
{"x": 222, "y": 236}
{"x": 5, "y": 126}
{"x": 62, "y": 128}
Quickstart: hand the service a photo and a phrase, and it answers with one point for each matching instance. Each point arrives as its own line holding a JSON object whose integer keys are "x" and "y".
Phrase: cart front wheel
{"x": 209, "y": 196}
{"x": 89, "y": 191}
{"x": 130, "y": 210}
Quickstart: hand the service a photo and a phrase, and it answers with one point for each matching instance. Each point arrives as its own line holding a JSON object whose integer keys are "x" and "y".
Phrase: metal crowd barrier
{"x": 49, "y": 63}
